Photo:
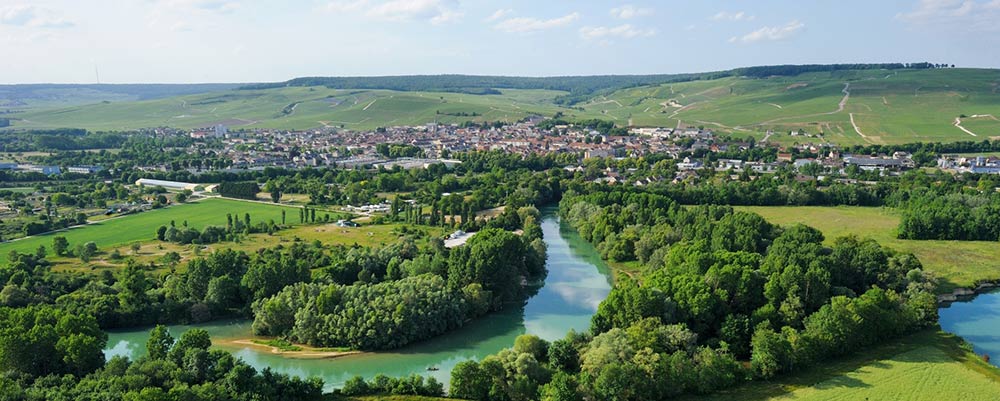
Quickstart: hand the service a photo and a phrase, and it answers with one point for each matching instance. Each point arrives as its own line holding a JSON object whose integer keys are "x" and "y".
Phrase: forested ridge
{"x": 580, "y": 88}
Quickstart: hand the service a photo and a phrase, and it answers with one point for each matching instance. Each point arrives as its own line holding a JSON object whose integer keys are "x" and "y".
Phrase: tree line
{"x": 240, "y": 189}
{"x": 49, "y": 354}
{"x": 724, "y": 297}
{"x": 394, "y": 296}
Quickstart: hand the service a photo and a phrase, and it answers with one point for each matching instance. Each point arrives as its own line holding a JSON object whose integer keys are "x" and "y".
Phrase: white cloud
{"x": 732, "y": 16}
{"x": 529, "y": 24}
{"x": 180, "y": 15}
{"x": 33, "y": 16}
{"x": 626, "y": 31}
{"x": 346, "y": 6}
{"x": 970, "y": 15}
{"x": 629, "y": 11}
{"x": 768, "y": 33}
{"x": 498, "y": 14}
{"x": 200, "y": 6}
{"x": 434, "y": 11}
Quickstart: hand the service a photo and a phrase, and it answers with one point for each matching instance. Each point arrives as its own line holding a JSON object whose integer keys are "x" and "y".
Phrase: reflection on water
{"x": 576, "y": 283}
{"x": 978, "y": 321}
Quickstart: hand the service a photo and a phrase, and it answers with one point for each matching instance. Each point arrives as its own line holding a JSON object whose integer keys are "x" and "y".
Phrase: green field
{"x": 142, "y": 226}
{"x": 955, "y": 263}
{"x": 301, "y": 108}
{"x": 20, "y": 190}
{"x": 888, "y": 107}
{"x": 927, "y": 366}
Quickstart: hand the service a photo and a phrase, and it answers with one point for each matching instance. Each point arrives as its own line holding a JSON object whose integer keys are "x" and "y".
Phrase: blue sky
{"x": 262, "y": 40}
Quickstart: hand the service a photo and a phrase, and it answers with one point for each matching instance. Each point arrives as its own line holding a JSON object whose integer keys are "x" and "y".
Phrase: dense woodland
{"x": 718, "y": 288}
{"x": 397, "y": 297}
{"x": 723, "y": 296}
{"x": 967, "y": 217}
{"x": 51, "y": 354}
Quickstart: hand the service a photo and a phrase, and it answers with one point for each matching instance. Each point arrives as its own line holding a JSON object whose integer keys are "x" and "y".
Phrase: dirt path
{"x": 840, "y": 107}
{"x": 856, "y": 128}
{"x": 767, "y": 136}
{"x": 609, "y": 101}
{"x": 369, "y": 105}
{"x": 776, "y": 105}
{"x": 847, "y": 96}
{"x": 958, "y": 124}
{"x": 682, "y": 109}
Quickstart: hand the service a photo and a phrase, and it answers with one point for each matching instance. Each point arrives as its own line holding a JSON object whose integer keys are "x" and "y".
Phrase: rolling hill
{"x": 837, "y": 105}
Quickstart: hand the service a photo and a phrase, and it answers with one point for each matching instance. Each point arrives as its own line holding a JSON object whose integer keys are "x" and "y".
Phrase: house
{"x": 84, "y": 169}
{"x": 347, "y": 223}
{"x": 800, "y": 163}
{"x": 47, "y": 170}
{"x": 689, "y": 164}
{"x": 878, "y": 163}
{"x": 726, "y": 164}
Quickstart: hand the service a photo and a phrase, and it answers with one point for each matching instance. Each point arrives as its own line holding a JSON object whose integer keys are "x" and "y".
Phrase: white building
{"x": 171, "y": 185}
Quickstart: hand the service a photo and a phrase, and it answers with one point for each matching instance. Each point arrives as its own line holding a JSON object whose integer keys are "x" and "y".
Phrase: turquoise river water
{"x": 578, "y": 280}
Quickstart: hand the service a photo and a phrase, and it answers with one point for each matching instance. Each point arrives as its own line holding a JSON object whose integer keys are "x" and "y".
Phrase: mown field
{"x": 927, "y": 366}
{"x": 142, "y": 227}
{"x": 956, "y": 263}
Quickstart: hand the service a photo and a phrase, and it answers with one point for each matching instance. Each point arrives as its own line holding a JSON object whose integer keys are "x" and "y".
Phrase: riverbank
{"x": 576, "y": 283}
{"x": 966, "y": 294}
{"x": 293, "y": 351}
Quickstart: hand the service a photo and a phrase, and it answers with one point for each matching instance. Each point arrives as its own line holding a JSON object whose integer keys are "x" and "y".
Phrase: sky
{"x": 188, "y": 41}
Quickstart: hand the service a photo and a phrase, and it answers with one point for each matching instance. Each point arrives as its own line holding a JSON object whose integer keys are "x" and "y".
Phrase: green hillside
{"x": 887, "y": 106}
{"x": 301, "y": 108}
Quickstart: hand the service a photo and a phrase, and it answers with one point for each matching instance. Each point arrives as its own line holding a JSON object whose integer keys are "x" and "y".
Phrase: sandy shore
{"x": 307, "y": 352}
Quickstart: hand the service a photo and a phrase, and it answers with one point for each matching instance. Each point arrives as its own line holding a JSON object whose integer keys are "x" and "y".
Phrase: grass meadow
{"x": 926, "y": 366}
{"x": 955, "y": 263}
{"x": 142, "y": 227}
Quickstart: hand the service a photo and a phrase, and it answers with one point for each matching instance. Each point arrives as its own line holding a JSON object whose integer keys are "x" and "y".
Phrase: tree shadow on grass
{"x": 842, "y": 381}
{"x": 833, "y": 373}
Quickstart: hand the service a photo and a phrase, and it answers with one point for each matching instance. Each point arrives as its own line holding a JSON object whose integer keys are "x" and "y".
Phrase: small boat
{"x": 432, "y": 368}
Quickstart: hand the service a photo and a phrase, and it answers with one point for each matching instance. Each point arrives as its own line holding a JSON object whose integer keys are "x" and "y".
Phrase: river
{"x": 577, "y": 281}
{"x": 977, "y": 321}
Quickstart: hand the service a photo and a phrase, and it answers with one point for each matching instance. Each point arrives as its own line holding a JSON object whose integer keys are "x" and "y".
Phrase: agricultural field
{"x": 118, "y": 234}
{"x": 956, "y": 263}
{"x": 887, "y": 107}
{"x": 301, "y": 108}
{"x": 927, "y": 366}
{"x": 842, "y": 107}
{"x": 121, "y": 231}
